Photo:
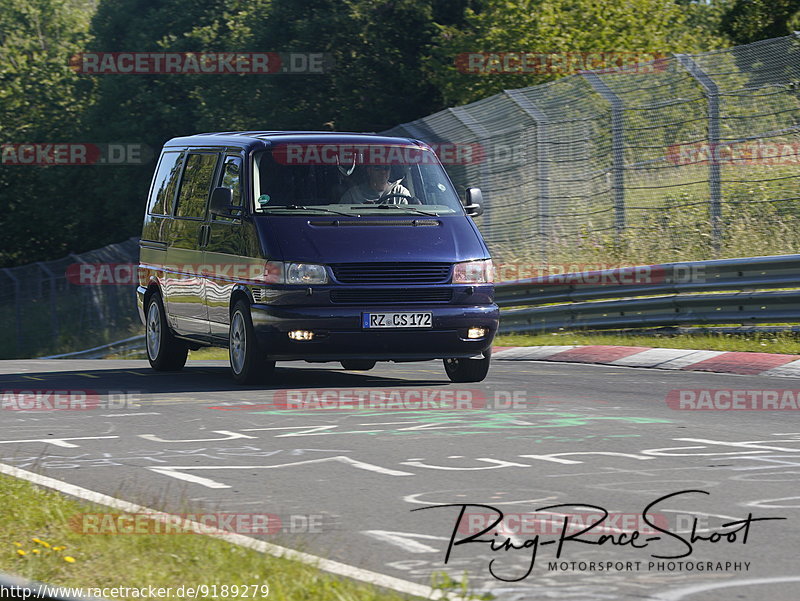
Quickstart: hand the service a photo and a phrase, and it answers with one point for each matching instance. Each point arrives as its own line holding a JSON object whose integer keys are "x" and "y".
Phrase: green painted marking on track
{"x": 476, "y": 422}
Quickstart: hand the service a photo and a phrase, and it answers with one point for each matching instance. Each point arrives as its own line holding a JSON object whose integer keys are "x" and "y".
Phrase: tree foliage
{"x": 752, "y": 20}
{"x": 41, "y": 100}
{"x": 562, "y": 28}
{"x": 393, "y": 61}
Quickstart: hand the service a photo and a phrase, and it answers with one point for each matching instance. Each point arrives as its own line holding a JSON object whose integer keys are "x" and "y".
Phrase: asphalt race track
{"x": 343, "y": 483}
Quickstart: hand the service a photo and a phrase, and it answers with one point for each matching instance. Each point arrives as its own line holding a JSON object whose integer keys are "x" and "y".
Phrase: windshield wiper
{"x": 407, "y": 208}
{"x": 305, "y": 208}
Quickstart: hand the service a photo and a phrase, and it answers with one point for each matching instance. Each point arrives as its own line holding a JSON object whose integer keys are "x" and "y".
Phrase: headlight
{"x": 473, "y": 272}
{"x": 305, "y": 273}
{"x": 278, "y": 272}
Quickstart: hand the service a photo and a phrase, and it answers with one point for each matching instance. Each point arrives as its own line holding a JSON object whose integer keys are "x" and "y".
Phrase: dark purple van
{"x": 313, "y": 246}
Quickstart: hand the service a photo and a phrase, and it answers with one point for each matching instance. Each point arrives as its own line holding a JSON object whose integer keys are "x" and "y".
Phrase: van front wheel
{"x": 164, "y": 351}
{"x": 468, "y": 370}
{"x": 248, "y": 365}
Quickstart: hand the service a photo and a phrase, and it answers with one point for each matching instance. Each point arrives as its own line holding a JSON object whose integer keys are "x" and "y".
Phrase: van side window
{"x": 231, "y": 177}
{"x": 196, "y": 185}
{"x": 165, "y": 183}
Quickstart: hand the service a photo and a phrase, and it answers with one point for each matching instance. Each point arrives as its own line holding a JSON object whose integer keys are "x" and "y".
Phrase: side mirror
{"x": 474, "y": 198}
{"x": 221, "y": 203}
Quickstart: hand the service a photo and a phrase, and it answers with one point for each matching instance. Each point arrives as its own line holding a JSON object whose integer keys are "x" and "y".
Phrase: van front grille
{"x": 394, "y": 296}
{"x": 392, "y": 273}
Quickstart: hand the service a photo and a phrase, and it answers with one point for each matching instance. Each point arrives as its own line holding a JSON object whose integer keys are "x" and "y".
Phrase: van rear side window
{"x": 196, "y": 185}
{"x": 164, "y": 184}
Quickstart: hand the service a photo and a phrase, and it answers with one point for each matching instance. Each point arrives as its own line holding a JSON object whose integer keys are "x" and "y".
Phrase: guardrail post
{"x": 17, "y": 312}
{"x": 617, "y": 147}
{"x": 481, "y": 135}
{"x": 542, "y": 164}
{"x": 712, "y": 94}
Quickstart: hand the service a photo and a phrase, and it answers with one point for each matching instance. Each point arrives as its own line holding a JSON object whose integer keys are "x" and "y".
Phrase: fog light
{"x": 476, "y": 333}
{"x": 301, "y": 335}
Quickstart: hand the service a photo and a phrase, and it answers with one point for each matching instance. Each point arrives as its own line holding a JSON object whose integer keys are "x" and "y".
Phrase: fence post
{"x": 91, "y": 291}
{"x": 17, "y": 312}
{"x": 617, "y": 147}
{"x": 480, "y": 133}
{"x": 53, "y": 312}
{"x": 542, "y": 164}
{"x": 712, "y": 94}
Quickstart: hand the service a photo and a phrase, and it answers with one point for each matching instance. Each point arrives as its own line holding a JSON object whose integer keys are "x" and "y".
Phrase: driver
{"x": 376, "y": 186}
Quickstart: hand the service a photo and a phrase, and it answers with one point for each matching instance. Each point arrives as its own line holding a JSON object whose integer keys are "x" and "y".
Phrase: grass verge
{"x": 782, "y": 342}
{"x": 38, "y": 542}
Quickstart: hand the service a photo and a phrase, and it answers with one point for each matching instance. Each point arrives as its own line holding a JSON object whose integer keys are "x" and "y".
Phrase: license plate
{"x": 406, "y": 319}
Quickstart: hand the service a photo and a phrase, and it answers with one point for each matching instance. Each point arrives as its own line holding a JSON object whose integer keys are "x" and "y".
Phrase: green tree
{"x": 377, "y": 48}
{"x": 558, "y": 27}
{"x": 150, "y": 109}
{"x": 41, "y": 100}
{"x": 752, "y": 20}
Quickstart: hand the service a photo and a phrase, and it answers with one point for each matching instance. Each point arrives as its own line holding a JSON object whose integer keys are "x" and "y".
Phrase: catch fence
{"x": 689, "y": 157}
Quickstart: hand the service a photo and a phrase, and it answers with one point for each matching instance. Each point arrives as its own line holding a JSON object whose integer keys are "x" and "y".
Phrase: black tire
{"x": 248, "y": 365}
{"x": 164, "y": 351}
{"x": 358, "y": 364}
{"x": 468, "y": 370}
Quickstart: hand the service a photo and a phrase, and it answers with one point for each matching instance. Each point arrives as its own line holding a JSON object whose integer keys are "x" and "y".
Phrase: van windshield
{"x": 351, "y": 179}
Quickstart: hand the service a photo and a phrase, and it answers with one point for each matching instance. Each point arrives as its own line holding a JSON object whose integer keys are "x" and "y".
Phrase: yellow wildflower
{"x": 69, "y": 559}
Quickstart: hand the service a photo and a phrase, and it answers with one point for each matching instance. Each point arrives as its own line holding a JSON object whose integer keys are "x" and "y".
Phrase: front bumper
{"x": 340, "y": 334}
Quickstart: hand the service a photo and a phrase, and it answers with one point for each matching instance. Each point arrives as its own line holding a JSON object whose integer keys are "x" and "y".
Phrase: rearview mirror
{"x": 221, "y": 203}
{"x": 473, "y": 201}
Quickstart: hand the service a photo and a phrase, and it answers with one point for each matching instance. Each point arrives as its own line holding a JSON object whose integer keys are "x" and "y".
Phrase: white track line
{"x": 326, "y": 565}
{"x": 683, "y": 593}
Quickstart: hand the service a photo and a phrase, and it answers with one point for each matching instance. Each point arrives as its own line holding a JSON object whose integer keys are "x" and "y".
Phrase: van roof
{"x": 261, "y": 139}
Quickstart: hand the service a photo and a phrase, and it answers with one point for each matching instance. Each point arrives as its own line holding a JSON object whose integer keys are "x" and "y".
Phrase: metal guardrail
{"x": 656, "y": 295}
{"x": 638, "y": 296}
{"x": 134, "y": 344}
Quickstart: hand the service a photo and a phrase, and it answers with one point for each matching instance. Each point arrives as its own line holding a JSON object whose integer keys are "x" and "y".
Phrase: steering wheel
{"x": 413, "y": 200}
